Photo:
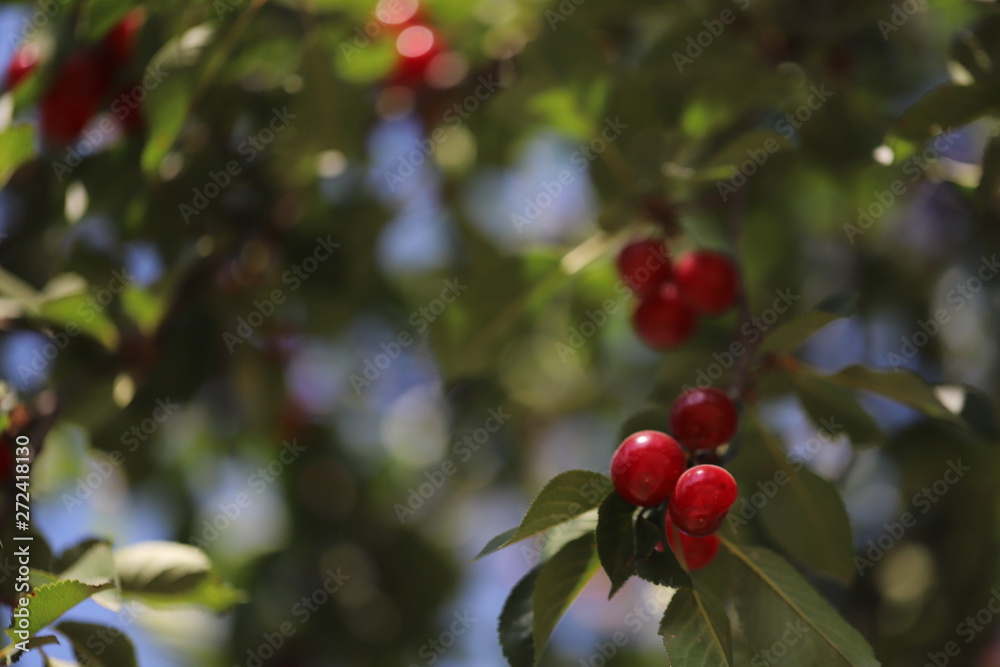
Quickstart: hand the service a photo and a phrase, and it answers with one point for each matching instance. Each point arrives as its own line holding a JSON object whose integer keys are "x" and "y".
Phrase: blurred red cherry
{"x": 73, "y": 97}
{"x": 23, "y": 63}
{"x": 119, "y": 42}
{"x": 417, "y": 45}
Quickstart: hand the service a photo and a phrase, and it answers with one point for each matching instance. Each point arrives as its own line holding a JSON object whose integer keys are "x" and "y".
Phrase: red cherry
{"x": 417, "y": 46}
{"x": 646, "y": 466}
{"x": 21, "y": 65}
{"x": 703, "y": 419}
{"x": 644, "y": 265}
{"x": 708, "y": 280}
{"x": 119, "y": 42}
{"x": 701, "y": 500}
{"x": 73, "y": 97}
{"x": 696, "y": 552}
{"x": 664, "y": 320}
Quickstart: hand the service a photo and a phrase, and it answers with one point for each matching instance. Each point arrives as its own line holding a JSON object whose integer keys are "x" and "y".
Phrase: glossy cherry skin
{"x": 73, "y": 97}
{"x": 644, "y": 265}
{"x": 21, "y": 65}
{"x": 703, "y": 419}
{"x": 702, "y": 499}
{"x": 696, "y": 552}
{"x": 709, "y": 281}
{"x": 646, "y": 466}
{"x": 663, "y": 319}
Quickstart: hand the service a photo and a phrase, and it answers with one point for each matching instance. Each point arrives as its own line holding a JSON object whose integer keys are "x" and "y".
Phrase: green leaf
{"x": 94, "y": 564}
{"x": 902, "y": 386}
{"x": 615, "y": 540}
{"x": 559, "y": 108}
{"x": 17, "y": 146}
{"x": 77, "y": 314}
{"x": 50, "y": 601}
{"x": 565, "y": 497}
{"x": 695, "y": 631}
{"x": 145, "y": 308}
{"x": 98, "y": 645}
{"x": 20, "y": 291}
{"x": 167, "y": 574}
{"x": 825, "y": 402}
{"x": 774, "y": 601}
{"x": 166, "y": 107}
{"x": 790, "y": 335}
{"x": 516, "y": 639}
{"x": 797, "y": 502}
{"x": 946, "y": 108}
{"x": 560, "y": 580}
{"x": 169, "y": 101}
{"x": 366, "y": 65}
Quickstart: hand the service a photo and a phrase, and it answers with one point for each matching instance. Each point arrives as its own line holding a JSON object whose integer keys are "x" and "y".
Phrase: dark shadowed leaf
{"x": 615, "y": 540}
{"x": 827, "y": 403}
{"x": 695, "y": 631}
{"x": 98, "y": 645}
{"x": 516, "y": 621}
{"x": 948, "y": 107}
{"x": 777, "y": 605}
{"x": 793, "y": 502}
{"x": 559, "y": 581}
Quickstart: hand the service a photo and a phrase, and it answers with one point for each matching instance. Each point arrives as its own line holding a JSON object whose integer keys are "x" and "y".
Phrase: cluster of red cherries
{"x": 83, "y": 81}
{"x": 651, "y": 468}
{"x": 671, "y": 298}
